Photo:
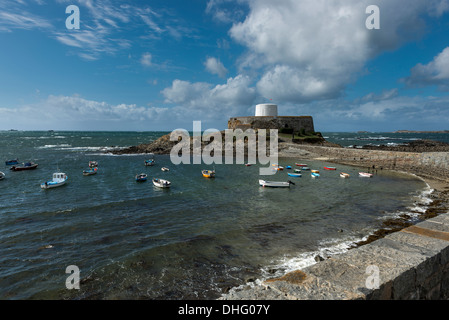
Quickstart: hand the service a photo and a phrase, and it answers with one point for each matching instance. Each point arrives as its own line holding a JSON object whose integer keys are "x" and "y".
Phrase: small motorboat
{"x": 141, "y": 177}
{"x": 248, "y": 164}
{"x": 24, "y": 166}
{"x": 208, "y": 173}
{"x": 294, "y": 174}
{"x": 288, "y": 167}
{"x": 344, "y": 175}
{"x": 315, "y": 171}
{"x": 330, "y": 168}
{"x": 161, "y": 183}
{"x": 314, "y": 174}
{"x": 93, "y": 164}
{"x": 275, "y": 184}
{"x": 90, "y": 171}
{"x": 365, "y": 174}
{"x": 149, "y": 162}
{"x": 11, "y": 162}
{"x": 279, "y": 168}
{"x": 165, "y": 169}
{"x": 301, "y": 164}
{"x": 297, "y": 170}
{"x": 305, "y": 168}
{"x": 59, "y": 179}
{"x": 2, "y": 175}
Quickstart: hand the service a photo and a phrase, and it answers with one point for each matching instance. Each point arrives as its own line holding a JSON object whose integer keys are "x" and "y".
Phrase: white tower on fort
{"x": 266, "y": 110}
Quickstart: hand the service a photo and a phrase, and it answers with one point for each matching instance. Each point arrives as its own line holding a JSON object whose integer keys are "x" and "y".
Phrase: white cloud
{"x": 307, "y": 50}
{"x": 436, "y": 72}
{"x": 215, "y": 66}
{"x": 145, "y": 60}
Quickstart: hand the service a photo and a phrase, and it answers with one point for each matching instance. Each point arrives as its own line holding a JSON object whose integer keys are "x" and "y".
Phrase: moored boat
{"x": 297, "y": 170}
{"x": 90, "y": 171}
{"x": 208, "y": 173}
{"x": 149, "y": 162}
{"x": 141, "y": 177}
{"x": 301, "y": 164}
{"x": 330, "y": 168}
{"x": 288, "y": 167}
{"x": 305, "y": 168}
{"x": 275, "y": 184}
{"x": 294, "y": 174}
{"x": 314, "y": 174}
{"x": 24, "y": 166}
{"x": 2, "y": 175}
{"x": 365, "y": 174}
{"x": 165, "y": 169}
{"x": 59, "y": 179}
{"x": 344, "y": 175}
{"x": 315, "y": 171}
{"x": 161, "y": 183}
{"x": 11, "y": 162}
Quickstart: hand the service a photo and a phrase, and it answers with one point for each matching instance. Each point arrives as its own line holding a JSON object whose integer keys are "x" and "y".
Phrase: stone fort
{"x": 266, "y": 117}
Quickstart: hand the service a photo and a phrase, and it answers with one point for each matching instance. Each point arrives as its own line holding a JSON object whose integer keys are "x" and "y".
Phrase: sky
{"x": 159, "y": 65}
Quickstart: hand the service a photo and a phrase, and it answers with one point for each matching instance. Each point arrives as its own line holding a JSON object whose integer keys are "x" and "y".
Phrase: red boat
{"x": 330, "y": 168}
{"x": 301, "y": 164}
{"x": 25, "y": 166}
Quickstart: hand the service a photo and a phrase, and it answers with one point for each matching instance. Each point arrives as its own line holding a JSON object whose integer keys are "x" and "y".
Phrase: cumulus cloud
{"x": 145, "y": 60}
{"x": 436, "y": 72}
{"x": 215, "y": 66}
{"x": 308, "y": 50}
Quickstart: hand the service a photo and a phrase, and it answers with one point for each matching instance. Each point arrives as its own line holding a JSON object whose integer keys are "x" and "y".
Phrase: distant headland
{"x": 415, "y": 131}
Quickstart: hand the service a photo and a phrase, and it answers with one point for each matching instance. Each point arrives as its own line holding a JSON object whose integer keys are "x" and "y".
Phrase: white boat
{"x": 2, "y": 175}
{"x": 141, "y": 177}
{"x": 161, "y": 183}
{"x": 93, "y": 164}
{"x": 314, "y": 174}
{"x": 59, "y": 179}
{"x": 165, "y": 169}
{"x": 344, "y": 175}
{"x": 275, "y": 184}
{"x": 365, "y": 174}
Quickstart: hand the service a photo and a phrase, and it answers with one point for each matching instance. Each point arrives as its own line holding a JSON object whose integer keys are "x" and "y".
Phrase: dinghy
{"x": 314, "y": 174}
{"x": 161, "y": 183}
{"x": 365, "y": 174}
{"x": 11, "y": 162}
{"x": 2, "y": 175}
{"x": 330, "y": 168}
{"x": 275, "y": 184}
{"x": 165, "y": 169}
{"x": 344, "y": 175}
{"x": 294, "y": 174}
{"x": 90, "y": 171}
{"x": 24, "y": 166}
{"x": 149, "y": 162}
{"x": 208, "y": 173}
{"x": 141, "y": 177}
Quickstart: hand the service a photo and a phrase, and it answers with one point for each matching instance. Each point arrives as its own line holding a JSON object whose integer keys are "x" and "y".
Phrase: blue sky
{"x": 160, "y": 65}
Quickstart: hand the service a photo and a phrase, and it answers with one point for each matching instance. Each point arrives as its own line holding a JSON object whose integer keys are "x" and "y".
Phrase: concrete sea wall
{"x": 427, "y": 164}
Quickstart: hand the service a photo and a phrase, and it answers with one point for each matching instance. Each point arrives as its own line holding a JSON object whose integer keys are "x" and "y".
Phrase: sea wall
{"x": 410, "y": 264}
{"x": 426, "y": 164}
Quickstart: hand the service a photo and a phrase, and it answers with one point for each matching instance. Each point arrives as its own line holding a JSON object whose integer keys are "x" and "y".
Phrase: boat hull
{"x": 161, "y": 183}
{"x": 208, "y": 173}
{"x": 23, "y": 168}
{"x": 294, "y": 175}
{"x": 274, "y": 184}
{"x": 365, "y": 174}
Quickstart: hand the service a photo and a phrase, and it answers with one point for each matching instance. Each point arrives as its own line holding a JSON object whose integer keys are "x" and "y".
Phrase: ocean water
{"x": 195, "y": 240}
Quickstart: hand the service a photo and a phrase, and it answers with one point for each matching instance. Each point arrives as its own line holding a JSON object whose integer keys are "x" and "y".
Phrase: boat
{"x": 11, "y": 162}
{"x": 305, "y": 168}
{"x": 24, "y": 166}
{"x": 248, "y": 164}
{"x": 141, "y": 177}
{"x": 314, "y": 174}
{"x": 344, "y": 175}
{"x": 330, "y": 168}
{"x": 275, "y": 184}
{"x": 161, "y": 183}
{"x": 59, "y": 179}
{"x": 315, "y": 171}
{"x": 301, "y": 164}
{"x": 149, "y": 162}
{"x": 294, "y": 174}
{"x": 288, "y": 167}
{"x": 90, "y": 171}
{"x": 279, "y": 168}
{"x": 2, "y": 175}
{"x": 297, "y": 170}
{"x": 165, "y": 169}
{"x": 208, "y": 173}
{"x": 365, "y": 174}
{"x": 93, "y": 164}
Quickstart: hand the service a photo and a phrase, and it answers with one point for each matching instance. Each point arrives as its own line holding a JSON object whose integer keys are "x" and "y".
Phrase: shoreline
{"x": 438, "y": 194}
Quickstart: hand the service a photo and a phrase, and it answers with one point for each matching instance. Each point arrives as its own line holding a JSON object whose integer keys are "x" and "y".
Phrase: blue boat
{"x": 315, "y": 174}
{"x": 141, "y": 177}
{"x": 11, "y": 162}
{"x": 149, "y": 162}
{"x": 294, "y": 174}
{"x": 288, "y": 167}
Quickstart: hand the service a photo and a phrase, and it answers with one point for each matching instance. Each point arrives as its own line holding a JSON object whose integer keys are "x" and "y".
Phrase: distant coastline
{"x": 415, "y": 131}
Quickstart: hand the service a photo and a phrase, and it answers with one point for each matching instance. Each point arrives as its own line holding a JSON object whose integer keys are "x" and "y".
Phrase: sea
{"x": 197, "y": 240}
